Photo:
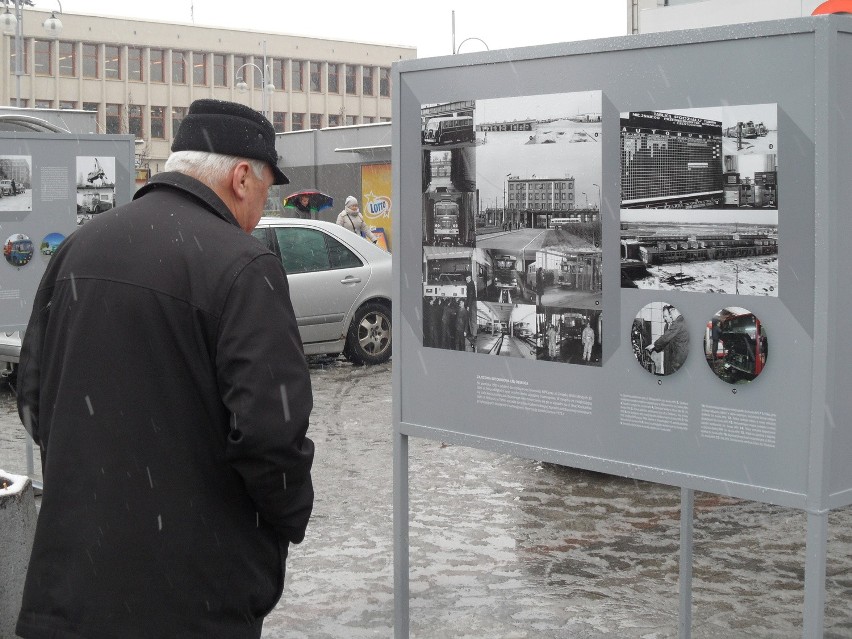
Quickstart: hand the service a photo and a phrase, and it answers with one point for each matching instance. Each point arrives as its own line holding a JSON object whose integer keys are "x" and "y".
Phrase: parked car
{"x": 6, "y": 187}
{"x": 340, "y": 286}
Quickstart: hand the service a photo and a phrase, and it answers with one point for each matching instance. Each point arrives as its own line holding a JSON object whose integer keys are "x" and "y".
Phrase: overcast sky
{"x": 425, "y": 25}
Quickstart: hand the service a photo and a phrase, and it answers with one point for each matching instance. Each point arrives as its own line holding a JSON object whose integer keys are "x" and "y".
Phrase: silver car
{"x": 340, "y": 286}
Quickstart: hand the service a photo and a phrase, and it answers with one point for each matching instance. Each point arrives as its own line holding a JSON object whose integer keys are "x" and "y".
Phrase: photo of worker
{"x": 95, "y": 186}
{"x": 16, "y": 183}
{"x": 569, "y": 335}
{"x": 446, "y": 324}
{"x": 735, "y": 345}
{"x": 50, "y": 243}
{"x": 507, "y": 330}
{"x": 660, "y": 338}
{"x": 18, "y": 250}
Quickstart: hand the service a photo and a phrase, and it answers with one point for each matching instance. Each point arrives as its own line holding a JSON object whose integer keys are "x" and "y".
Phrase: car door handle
{"x": 350, "y": 279}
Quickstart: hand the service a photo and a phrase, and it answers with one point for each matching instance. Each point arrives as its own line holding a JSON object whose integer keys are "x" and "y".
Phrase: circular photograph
{"x": 18, "y": 249}
{"x": 735, "y": 345}
{"x": 50, "y": 243}
{"x": 660, "y": 338}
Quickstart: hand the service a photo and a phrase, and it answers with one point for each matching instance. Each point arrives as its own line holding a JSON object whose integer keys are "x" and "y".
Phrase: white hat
{"x": 351, "y": 201}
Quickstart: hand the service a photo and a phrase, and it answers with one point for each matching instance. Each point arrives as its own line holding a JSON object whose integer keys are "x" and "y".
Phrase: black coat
{"x": 163, "y": 377}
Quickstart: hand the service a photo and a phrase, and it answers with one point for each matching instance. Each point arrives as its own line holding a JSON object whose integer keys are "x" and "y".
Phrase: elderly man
{"x": 162, "y": 376}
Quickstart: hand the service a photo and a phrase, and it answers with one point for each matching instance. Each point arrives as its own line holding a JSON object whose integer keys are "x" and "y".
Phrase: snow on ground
{"x": 742, "y": 276}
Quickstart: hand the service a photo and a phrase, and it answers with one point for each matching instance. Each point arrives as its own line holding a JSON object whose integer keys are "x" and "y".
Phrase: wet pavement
{"x": 503, "y": 547}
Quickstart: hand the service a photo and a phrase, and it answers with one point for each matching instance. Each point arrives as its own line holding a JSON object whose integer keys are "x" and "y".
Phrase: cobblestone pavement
{"x": 503, "y": 547}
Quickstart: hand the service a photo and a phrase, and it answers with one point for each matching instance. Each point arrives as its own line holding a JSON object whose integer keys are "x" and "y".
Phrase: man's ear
{"x": 239, "y": 178}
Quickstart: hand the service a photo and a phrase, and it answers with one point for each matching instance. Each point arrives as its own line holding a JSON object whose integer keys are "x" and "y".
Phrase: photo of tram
{"x": 735, "y": 345}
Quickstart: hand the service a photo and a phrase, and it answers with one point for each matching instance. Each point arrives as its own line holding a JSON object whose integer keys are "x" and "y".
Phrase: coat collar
{"x": 190, "y": 186}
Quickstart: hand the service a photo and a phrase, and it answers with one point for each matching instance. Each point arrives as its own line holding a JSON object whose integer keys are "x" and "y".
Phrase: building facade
{"x": 649, "y": 16}
{"x": 140, "y": 77}
{"x": 540, "y": 195}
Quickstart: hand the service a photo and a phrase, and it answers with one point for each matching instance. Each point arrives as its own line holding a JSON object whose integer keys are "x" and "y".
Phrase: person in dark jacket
{"x": 163, "y": 378}
{"x": 673, "y": 343}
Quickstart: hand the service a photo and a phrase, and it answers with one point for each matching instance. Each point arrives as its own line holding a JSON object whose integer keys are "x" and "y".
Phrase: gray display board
{"x": 60, "y": 182}
{"x": 656, "y": 233}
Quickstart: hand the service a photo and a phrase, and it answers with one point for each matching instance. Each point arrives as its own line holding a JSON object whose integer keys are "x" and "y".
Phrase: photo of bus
{"x": 446, "y": 231}
{"x": 448, "y": 130}
{"x": 735, "y": 345}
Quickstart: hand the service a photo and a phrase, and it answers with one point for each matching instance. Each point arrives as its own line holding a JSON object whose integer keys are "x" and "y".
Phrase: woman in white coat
{"x": 350, "y": 218}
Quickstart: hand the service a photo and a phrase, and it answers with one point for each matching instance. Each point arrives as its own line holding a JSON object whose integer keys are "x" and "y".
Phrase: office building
{"x": 140, "y": 76}
{"x": 649, "y": 16}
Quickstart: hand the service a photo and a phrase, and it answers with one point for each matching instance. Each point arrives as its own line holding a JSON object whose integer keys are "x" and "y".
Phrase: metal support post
{"x": 815, "y": 552}
{"x": 400, "y": 536}
{"x": 687, "y": 506}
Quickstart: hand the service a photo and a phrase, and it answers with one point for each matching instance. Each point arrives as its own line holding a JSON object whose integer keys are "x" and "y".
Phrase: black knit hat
{"x": 228, "y": 128}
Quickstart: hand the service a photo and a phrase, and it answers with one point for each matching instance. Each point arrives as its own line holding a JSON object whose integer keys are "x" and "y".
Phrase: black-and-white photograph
{"x": 538, "y": 160}
{"x": 16, "y": 183}
{"x": 95, "y": 186}
{"x": 569, "y": 335}
{"x": 449, "y": 298}
{"x": 695, "y": 158}
{"x": 508, "y": 330}
{"x": 706, "y": 251}
{"x": 660, "y": 338}
{"x": 568, "y": 274}
{"x": 501, "y": 277}
{"x": 735, "y": 345}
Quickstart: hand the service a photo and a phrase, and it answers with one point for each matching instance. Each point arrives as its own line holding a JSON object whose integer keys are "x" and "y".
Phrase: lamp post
{"x": 266, "y": 85}
{"x": 456, "y": 48}
{"x": 13, "y": 25}
{"x": 600, "y": 202}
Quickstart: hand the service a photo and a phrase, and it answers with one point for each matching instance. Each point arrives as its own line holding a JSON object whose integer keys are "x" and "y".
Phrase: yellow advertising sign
{"x": 376, "y": 198}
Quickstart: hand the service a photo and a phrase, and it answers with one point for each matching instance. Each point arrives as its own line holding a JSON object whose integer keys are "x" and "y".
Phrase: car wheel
{"x": 369, "y": 337}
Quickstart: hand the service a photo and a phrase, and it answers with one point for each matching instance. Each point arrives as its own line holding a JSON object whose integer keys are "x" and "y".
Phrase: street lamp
{"x": 267, "y": 87}
{"x": 13, "y": 25}
{"x": 600, "y": 202}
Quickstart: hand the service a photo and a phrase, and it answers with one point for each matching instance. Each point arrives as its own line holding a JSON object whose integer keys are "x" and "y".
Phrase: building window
{"x": 112, "y": 62}
{"x": 67, "y": 104}
{"x": 134, "y": 64}
{"x": 333, "y": 119}
{"x": 367, "y": 80}
{"x": 199, "y": 69}
{"x": 178, "y": 67}
{"x": 279, "y": 70}
{"x": 351, "y": 120}
{"x": 90, "y": 61}
{"x": 220, "y": 70}
{"x": 43, "y": 104}
{"x": 156, "y": 67}
{"x": 368, "y": 119}
{"x": 316, "y": 77}
{"x": 41, "y": 57}
{"x": 384, "y": 119}
{"x": 24, "y": 60}
{"x": 279, "y": 120}
{"x": 384, "y": 82}
{"x": 316, "y": 120}
{"x": 178, "y": 114}
{"x": 333, "y": 77}
{"x": 298, "y": 122}
{"x": 93, "y": 106}
{"x": 135, "y": 123}
{"x": 239, "y": 68}
{"x": 297, "y": 75}
{"x": 67, "y": 59}
{"x": 158, "y": 122}
{"x": 113, "y": 118}
{"x": 351, "y": 79}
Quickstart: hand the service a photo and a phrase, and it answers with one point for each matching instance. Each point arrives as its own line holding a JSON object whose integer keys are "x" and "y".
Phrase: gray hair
{"x": 210, "y": 168}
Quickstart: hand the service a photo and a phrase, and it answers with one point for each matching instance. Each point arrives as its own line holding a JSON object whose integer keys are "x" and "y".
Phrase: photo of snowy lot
{"x": 16, "y": 183}
{"x": 714, "y": 252}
